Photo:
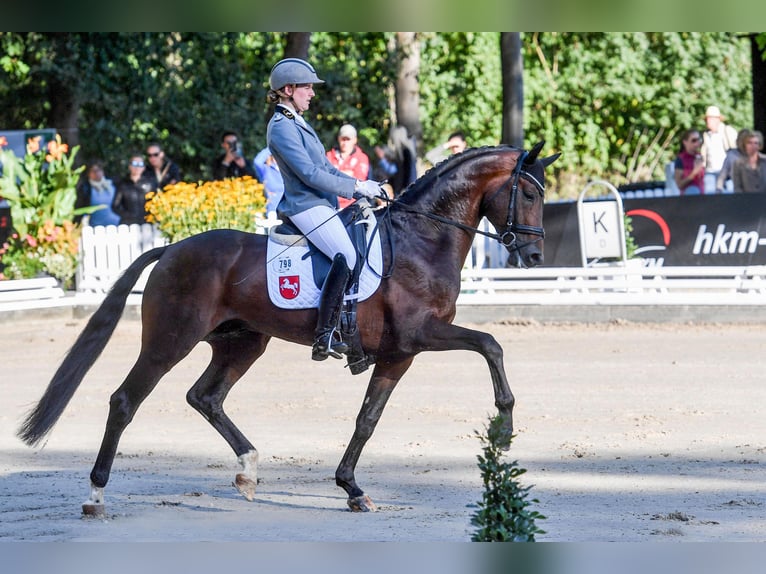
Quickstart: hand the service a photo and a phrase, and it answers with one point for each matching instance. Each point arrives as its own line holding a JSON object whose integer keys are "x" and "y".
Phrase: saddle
{"x": 286, "y": 233}
{"x": 296, "y": 271}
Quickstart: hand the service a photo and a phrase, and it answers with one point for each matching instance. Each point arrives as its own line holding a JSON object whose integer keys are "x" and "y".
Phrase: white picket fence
{"x": 107, "y": 250}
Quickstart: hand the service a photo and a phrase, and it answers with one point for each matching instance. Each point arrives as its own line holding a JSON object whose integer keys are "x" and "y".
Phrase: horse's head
{"x": 516, "y": 210}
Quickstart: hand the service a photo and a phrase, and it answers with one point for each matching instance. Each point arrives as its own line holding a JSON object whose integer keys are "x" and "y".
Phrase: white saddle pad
{"x": 291, "y": 279}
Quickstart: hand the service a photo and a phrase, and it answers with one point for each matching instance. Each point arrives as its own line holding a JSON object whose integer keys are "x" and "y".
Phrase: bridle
{"x": 508, "y": 237}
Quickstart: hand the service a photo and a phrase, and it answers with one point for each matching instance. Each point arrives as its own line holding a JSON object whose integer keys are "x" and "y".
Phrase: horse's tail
{"x": 86, "y": 349}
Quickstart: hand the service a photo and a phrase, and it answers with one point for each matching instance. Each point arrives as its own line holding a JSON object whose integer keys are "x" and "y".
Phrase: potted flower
{"x": 41, "y": 191}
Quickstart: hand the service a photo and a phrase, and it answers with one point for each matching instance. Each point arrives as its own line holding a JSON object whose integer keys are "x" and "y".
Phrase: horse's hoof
{"x": 362, "y": 504}
{"x": 245, "y": 486}
{"x": 91, "y": 510}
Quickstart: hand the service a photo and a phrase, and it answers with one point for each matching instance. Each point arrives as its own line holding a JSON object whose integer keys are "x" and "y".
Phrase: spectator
{"x": 130, "y": 199}
{"x": 96, "y": 189}
{"x": 689, "y": 165}
{"x": 404, "y": 155}
{"x": 717, "y": 140}
{"x": 456, "y": 143}
{"x": 749, "y": 172}
{"x": 384, "y": 168}
{"x": 161, "y": 171}
{"x": 349, "y": 158}
{"x": 231, "y": 163}
{"x": 724, "y": 181}
{"x": 267, "y": 172}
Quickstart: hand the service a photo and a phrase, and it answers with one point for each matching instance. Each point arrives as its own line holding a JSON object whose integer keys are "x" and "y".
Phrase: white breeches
{"x": 323, "y": 227}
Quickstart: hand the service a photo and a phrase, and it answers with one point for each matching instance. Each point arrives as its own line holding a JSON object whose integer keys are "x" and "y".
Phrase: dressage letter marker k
{"x": 597, "y": 222}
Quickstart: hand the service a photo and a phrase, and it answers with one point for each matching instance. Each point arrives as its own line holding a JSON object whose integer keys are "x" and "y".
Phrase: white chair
{"x": 671, "y": 189}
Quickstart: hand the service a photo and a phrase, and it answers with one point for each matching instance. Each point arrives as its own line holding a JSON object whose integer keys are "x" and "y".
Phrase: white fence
{"x": 28, "y": 293}
{"x": 615, "y": 285}
{"x": 106, "y": 251}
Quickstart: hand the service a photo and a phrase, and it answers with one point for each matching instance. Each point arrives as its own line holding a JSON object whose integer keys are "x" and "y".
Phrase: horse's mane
{"x": 427, "y": 180}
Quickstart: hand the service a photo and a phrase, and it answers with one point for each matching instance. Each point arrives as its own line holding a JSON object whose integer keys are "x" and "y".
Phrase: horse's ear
{"x": 546, "y": 161}
{"x": 533, "y": 153}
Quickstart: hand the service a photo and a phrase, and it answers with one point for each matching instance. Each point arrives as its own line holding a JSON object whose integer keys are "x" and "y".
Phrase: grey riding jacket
{"x": 310, "y": 179}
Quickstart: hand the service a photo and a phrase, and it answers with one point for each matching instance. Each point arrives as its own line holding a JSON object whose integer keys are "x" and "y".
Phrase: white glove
{"x": 368, "y": 188}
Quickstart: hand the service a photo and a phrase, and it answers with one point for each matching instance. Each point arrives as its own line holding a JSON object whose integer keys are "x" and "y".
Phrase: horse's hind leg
{"x": 232, "y": 356}
{"x": 123, "y": 404}
{"x": 382, "y": 383}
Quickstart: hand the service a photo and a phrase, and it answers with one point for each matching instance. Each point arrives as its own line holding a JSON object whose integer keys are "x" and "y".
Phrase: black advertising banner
{"x": 693, "y": 230}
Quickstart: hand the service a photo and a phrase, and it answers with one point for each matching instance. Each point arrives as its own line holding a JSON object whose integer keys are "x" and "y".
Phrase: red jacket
{"x": 357, "y": 165}
{"x": 685, "y": 162}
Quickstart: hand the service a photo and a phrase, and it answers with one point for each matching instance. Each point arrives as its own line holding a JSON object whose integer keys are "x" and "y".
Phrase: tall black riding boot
{"x": 327, "y": 337}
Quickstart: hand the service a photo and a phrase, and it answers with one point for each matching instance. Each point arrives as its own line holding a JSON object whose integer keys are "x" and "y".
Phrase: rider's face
{"x": 302, "y": 94}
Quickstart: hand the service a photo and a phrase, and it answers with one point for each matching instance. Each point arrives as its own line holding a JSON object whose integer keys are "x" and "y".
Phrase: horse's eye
{"x": 529, "y": 195}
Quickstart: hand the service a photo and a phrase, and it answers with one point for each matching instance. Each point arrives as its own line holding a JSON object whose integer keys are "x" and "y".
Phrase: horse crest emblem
{"x": 290, "y": 286}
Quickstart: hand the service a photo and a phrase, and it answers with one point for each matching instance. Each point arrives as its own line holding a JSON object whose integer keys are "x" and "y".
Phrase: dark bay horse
{"x": 196, "y": 292}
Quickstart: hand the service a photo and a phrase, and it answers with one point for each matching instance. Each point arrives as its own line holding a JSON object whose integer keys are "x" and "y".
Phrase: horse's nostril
{"x": 535, "y": 259}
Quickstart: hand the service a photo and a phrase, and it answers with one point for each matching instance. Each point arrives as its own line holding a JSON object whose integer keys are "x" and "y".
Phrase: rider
{"x": 312, "y": 187}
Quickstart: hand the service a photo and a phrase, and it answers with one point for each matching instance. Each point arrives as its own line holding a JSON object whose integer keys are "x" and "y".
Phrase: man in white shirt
{"x": 716, "y": 141}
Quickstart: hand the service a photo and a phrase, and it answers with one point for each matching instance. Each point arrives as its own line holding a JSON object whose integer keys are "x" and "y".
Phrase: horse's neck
{"x": 442, "y": 243}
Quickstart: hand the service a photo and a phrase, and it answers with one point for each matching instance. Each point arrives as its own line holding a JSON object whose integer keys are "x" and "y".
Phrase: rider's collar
{"x": 291, "y": 114}
{"x": 285, "y": 111}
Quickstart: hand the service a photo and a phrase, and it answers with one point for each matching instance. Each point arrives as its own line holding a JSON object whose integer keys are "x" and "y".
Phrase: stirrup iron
{"x": 328, "y": 344}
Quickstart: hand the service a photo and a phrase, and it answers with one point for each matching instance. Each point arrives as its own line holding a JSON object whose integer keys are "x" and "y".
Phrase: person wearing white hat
{"x": 716, "y": 141}
{"x": 312, "y": 187}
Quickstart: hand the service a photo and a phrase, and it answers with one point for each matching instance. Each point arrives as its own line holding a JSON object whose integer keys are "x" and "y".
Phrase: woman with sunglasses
{"x": 312, "y": 188}
{"x": 130, "y": 198}
{"x": 689, "y": 165}
{"x": 161, "y": 170}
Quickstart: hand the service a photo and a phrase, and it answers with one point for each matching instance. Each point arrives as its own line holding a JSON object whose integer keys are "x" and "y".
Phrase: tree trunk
{"x": 297, "y": 45}
{"x": 408, "y": 85}
{"x": 64, "y": 111}
{"x": 759, "y": 86}
{"x": 512, "y": 65}
{"x": 64, "y": 94}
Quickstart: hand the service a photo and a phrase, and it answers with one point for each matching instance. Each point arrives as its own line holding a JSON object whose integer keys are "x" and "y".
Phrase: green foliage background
{"x": 613, "y": 103}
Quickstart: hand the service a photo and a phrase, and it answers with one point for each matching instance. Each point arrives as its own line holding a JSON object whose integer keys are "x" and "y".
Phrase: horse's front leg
{"x": 437, "y": 335}
{"x": 384, "y": 378}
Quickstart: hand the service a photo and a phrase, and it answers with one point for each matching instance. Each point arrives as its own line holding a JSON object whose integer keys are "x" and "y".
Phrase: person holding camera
{"x": 232, "y": 162}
